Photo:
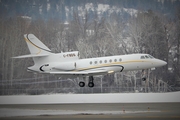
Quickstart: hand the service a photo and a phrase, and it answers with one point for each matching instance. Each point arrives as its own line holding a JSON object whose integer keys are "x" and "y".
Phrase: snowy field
{"x": 28, "y": 112}
{"x": 92, "y": 98}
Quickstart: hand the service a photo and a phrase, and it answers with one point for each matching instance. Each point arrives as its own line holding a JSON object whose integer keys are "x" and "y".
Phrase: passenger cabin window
{"x": 100, "y": 61}
{"x": 95, "y": 62}
{"x": 115, "y": 60}
{"x": 110, "y": 60}
{"x": 120, "y": 59}
{"x": 91, "y": 62}
{"x": 105, "y": 61}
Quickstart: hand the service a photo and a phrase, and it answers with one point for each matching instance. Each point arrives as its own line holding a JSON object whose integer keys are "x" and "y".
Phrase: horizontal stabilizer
{"x": 31, "y": 55}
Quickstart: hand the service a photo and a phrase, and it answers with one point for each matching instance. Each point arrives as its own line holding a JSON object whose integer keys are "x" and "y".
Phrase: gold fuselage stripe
{"x": 109, "y": 65}
{"x": 33, "y": 45}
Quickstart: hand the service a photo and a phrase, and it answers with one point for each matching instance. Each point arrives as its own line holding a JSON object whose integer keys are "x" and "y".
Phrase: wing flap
{"x": 70, "y": 73}
{"x": 31, "y": 55}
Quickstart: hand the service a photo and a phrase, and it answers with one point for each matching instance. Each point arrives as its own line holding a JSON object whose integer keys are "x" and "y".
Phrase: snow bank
{"x": 92, "y": 98}
{"x": 6, "y": 112}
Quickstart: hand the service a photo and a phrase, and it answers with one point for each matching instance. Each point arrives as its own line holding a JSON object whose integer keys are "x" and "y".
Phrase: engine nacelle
{"x": 64, "y": 66}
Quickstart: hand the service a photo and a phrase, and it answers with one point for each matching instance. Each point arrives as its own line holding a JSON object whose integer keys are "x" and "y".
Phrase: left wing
{"x": 91, "y": 72}
{"x": 81, "y": 72}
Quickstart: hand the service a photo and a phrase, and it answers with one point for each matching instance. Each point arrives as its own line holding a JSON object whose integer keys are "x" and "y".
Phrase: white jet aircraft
{"x": 69, "y": 63}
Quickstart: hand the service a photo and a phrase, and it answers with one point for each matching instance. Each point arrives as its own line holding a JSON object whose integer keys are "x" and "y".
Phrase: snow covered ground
{"x": 92, "y": 98}
{"x": 5, "y": 112}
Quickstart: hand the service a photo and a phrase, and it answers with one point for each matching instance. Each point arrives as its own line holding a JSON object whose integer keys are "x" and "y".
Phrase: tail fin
{"x": 35, "y": 45}
{"x": 37, "y": 49}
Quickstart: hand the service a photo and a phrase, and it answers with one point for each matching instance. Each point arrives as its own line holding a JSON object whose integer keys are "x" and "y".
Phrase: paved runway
{"x": 129, "y": 111}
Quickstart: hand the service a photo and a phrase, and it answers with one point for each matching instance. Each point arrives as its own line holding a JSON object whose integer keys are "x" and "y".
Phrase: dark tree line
{"x": 56, "y": 9}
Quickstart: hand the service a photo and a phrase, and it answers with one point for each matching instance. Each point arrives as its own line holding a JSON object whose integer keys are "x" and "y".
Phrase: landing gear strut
{"x": 143, "y": 75}
{"x": 91, "y": 83}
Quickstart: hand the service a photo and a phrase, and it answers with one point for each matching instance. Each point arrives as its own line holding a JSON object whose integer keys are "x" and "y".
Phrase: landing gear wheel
{"x": 91, "y": 84}
{"x": 81, "y": 84}
{"x": 143, "y": 75}
{"x": 144, "y": 79}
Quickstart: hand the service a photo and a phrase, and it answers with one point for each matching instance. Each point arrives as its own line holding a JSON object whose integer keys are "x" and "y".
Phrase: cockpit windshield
{"x": 147, "y": 57}
{"x": 151, "y": 56}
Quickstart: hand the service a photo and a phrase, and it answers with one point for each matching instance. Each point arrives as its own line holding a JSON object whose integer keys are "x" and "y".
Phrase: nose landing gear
{"x": 143, "y": 75}
{"x": 143, "y": 78}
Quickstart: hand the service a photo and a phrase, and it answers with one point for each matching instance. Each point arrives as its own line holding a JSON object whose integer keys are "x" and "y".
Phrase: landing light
{"x": 110, "y": 71}
{"x": 153, "y": 68}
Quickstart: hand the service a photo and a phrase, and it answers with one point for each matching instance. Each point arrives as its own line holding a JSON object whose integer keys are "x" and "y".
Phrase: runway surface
{"x": 128, "y": 111}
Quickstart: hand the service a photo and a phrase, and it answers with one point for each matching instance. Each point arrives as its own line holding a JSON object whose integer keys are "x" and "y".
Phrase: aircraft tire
{"x": 144, "y": 79}
{"x": 91, "y": 84}
{"x": 81, "y": 84}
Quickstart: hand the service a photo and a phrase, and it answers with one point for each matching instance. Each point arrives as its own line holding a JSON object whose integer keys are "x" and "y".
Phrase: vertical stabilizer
{"x": 39, "y": 51}
{"x": 35, "y": 45}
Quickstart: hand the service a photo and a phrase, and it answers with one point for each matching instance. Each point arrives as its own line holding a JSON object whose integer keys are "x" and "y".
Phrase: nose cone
{"x": 161, "y": 63}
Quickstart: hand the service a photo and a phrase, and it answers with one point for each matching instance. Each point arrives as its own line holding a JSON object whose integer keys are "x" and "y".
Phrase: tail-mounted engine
{"x": 65, "y": 66}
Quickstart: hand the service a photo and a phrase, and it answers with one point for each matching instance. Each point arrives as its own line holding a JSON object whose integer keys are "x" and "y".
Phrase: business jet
{"x": 69, "y": 63}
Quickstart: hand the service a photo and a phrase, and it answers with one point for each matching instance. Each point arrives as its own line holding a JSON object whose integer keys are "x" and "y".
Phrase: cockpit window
{"x": 151, "y": 56}
{"x": 146, "y": 56}
{"x": 142, "y": 57}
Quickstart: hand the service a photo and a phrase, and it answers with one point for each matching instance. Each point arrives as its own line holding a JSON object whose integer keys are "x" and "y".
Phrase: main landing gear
{"x": 90, "y": 84}
{"x": 81, "y": 84}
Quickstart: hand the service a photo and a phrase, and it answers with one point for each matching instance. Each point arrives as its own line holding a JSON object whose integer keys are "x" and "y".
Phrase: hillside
{"x": 63, "y": 9}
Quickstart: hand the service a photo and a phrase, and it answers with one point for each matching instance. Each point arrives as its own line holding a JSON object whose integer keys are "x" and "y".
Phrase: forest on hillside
{"x": 57, "y": 9}
{"x": 148, "y": 31}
